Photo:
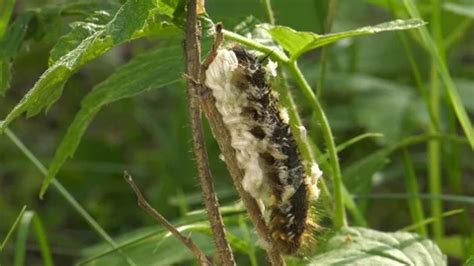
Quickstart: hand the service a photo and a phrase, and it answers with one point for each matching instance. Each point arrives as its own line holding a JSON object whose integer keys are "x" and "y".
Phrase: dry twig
{"x": 201, "y": 257}
{"x": 193, "y": 67}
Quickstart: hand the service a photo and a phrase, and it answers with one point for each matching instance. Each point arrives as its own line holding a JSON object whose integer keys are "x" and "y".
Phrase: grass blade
{"x": 350, "y": 142}
{"x": 460, "y": 9}
{"x": 351, "y": 206}
{"x": 251, "y": 252}
{"x": 434, "y": 146}
{"x": 442, "y": 69}
{"x": 42, "y": 241}
{"x": 348, "y": 201}
{"x": 65, "y": 194}
{"x": 411, "y": 184}
{"x": 26, "y": 220}
{"x": 424, "y": 222}
{"x": 404, "y": 196}
{"x": 12, "y": 228}
{"x": 22, "y": 238}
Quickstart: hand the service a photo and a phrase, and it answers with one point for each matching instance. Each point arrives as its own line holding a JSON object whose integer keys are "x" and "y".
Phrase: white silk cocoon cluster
{"x": 229, "y": 102}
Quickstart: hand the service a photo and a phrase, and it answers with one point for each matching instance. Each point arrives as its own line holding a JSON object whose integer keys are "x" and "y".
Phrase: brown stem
{"x": 201, "y": 257}
{"x": 222, "y": 136}
{"x": 193, "y": 67}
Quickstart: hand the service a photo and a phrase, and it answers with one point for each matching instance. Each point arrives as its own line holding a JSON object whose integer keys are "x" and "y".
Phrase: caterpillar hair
{"x": 266, "y": 151}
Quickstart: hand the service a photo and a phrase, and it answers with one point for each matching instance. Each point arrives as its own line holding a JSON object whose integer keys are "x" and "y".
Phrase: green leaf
{"x": 469, "y": 261}
{"x": 362, "y": 246}
{"x": 460, "y": 9}
{"x": 407, "y": 114}
{"x": 299, "y": 42}
{"x": 48, "y": 24}
{"x": 126, "y": 25}
{"x": 452, "y": 245}
{"x": 151, "y": 70}
{"x": 168, "y": 7}
{"x": 390, "y": 124}
{"x": 80, "y": 31}
{"x": 44, "y": 25}
{"x": 6, "y": 9}
{"x": 9, "y": 47}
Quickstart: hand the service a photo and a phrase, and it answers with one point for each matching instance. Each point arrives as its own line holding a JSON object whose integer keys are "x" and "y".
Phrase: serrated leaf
{"x": 151, "y": 70}
{"x": 362, "y": 246}
{"x": 129, "y": 20}
{"x": 299, "y": 42}
{"x": 80, "y": 31}
{"x": 48, "y": 20}
{"x": 41, "y": 24}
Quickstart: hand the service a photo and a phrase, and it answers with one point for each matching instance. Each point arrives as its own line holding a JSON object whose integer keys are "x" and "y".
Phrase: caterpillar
{"x": 266, "y": 151}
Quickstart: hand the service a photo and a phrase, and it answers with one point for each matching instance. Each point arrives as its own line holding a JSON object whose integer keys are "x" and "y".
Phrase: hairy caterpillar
{"x": 265, "y": 147}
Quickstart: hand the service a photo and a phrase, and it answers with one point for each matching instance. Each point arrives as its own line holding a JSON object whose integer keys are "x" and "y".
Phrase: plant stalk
{"x": 193, "y": 71}
{"x": 340, "y": 214}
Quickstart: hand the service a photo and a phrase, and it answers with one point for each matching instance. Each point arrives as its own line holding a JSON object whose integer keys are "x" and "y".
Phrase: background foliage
{"x": 385, "y": 83}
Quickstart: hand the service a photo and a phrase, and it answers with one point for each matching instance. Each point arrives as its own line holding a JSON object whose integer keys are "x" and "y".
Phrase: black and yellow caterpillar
{"x": 265, "y": 147}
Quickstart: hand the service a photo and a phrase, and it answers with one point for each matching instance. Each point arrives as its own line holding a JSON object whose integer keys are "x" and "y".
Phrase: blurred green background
{"x": 369, "y": 88}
